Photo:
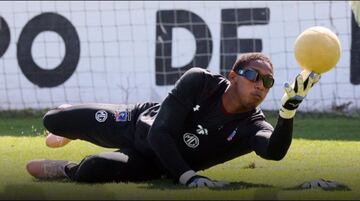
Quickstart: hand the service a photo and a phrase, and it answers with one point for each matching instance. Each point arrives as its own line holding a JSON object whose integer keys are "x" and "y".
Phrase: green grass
{"x": 323, "y": 147}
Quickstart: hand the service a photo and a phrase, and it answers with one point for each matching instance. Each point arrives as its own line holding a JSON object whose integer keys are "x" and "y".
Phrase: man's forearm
{"x": 166, "y": 150}
{"x": 280, "y": 140}
{"x": 168, "y": 122}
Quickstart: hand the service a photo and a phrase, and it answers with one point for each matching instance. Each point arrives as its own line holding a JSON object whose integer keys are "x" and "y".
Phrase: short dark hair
{"x": 246, "y": 58}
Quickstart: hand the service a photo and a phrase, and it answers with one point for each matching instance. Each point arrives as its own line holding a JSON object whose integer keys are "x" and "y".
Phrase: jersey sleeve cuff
{"x": 286, "y": 114}
{"x": 186, "y": 176}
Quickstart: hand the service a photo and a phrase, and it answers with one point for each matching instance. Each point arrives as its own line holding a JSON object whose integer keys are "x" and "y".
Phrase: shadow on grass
{"x": 336, "y": 187}
{"x": 339, "y": 188}
{"x": 262, "y": 191}
{"x": 268, "y": 189}
{"x": 169, "y": 185}
{"x": 34, "y": 192}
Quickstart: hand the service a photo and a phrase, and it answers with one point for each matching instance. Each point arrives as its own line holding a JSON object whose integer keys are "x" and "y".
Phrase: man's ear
{"x": 232, "y": 76}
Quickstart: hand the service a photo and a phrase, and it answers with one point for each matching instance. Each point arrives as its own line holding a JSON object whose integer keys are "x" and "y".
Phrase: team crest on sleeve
{"x": 191, "y": 140}
{"x": 101, "y": 115}
{"x": 122, "y": 116}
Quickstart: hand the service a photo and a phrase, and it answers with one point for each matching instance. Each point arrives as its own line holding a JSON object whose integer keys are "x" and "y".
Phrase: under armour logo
{"x": 196, "y": 108}
{"x": 201, "y": 130}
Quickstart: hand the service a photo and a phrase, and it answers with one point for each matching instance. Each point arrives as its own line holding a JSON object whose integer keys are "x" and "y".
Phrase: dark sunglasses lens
{"x": 268, "y": 81}
{"x": 251, "y": 75}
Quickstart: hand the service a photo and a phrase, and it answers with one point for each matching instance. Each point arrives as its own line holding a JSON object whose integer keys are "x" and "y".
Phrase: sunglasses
{"x": 253, "y": 75}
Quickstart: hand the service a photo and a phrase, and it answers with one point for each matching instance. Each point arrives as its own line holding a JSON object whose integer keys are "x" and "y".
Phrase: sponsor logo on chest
{"x": 201, "y": 130}
{"x": 191, "y": 140}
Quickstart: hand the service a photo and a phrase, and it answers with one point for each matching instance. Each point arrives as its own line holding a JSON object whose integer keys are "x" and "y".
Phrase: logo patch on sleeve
{"x": 101, "y": 115}
{"x": 122, "y": 116}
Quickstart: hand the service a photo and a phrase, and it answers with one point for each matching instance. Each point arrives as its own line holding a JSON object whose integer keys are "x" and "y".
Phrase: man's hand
{"x": 295, "y": 94}
{"x": 192, "y": 180}
{"x": 324, "y": 184}
{"x": 201, "y": 181}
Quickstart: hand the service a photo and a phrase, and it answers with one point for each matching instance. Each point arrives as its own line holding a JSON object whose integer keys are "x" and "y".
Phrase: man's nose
{"x": 259, "y": 84}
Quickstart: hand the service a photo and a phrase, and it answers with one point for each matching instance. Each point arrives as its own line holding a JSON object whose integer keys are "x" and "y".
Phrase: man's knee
{"x": 51, "y": 120}
{"x": 57, "y": 120}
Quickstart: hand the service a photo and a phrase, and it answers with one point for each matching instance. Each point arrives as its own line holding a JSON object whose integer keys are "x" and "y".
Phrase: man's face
{"x": 251, "y": 93}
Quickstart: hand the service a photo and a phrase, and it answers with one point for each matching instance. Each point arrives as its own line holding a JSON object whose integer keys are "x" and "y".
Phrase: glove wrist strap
{"x": 184, "y": 178}
{"x": 286, "y": 114}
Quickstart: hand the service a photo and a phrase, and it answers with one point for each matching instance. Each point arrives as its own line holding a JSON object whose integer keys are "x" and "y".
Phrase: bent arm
{"x": 166, "y": 129}
{"x": 270, "y": 143}
{"x": 169, "y": 120}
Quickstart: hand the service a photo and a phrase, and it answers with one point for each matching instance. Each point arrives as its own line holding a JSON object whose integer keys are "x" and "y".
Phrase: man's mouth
{"x": 257, "y": 95}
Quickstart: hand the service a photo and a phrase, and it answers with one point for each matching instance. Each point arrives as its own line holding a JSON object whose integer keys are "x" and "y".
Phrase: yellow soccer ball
{"x": 317, "y": 49}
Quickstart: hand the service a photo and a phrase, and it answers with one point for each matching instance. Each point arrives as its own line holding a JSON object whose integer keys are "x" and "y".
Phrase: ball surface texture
{"x": 317, "y": 49}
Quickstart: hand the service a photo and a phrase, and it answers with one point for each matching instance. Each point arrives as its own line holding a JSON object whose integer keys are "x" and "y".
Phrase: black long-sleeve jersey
{"x": 191, "y": 130}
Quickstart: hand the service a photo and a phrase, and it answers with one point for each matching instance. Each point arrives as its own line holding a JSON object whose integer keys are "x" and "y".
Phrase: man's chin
{"x": 254, "y": 104}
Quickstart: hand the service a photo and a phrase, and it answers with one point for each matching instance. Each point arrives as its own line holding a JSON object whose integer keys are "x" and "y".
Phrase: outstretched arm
{"x": 271, "y": 143}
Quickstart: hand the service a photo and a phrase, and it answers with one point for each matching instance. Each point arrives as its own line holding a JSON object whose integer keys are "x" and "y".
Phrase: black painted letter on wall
{"x": 63, "y": 27}
{"x": 230, "y": 45}
{"x": 355, "y": 52}
{"x": 4, "y": 36}
{"x": 166, "y": 20}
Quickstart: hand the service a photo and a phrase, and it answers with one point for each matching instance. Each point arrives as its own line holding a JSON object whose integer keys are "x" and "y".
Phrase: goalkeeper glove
{"x": 190, "y": 179}
{"x": 295, "y": 93}
{"x": 324, "y": 184}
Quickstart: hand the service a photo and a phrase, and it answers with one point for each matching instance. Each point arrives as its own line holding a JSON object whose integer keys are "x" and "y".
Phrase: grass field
{"x": 323, "y": 147}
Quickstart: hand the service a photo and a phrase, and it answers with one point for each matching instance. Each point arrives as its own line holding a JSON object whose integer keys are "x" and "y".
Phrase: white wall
{"x": 117, "y": 58}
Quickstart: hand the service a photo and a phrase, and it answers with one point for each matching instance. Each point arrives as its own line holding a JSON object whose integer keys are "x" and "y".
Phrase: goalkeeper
{"x": 205, "y": 120}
